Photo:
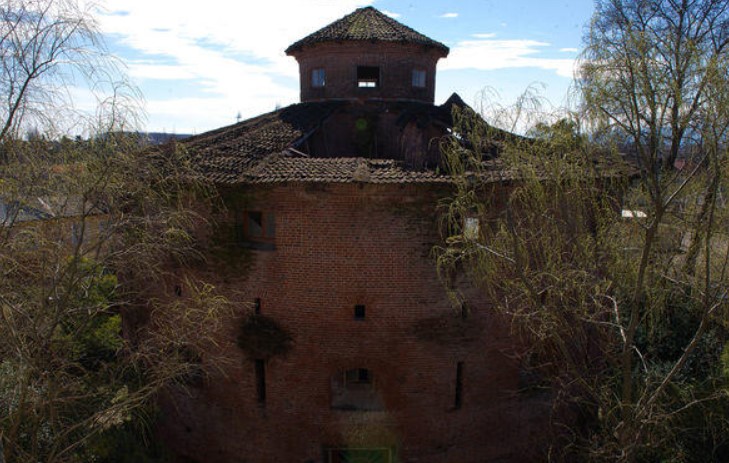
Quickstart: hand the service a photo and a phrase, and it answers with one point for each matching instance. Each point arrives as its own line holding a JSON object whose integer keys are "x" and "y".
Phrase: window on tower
{"x": 368, "y": 76}
{"x": 318, "y": 78}
{"x": 418, "y": 78}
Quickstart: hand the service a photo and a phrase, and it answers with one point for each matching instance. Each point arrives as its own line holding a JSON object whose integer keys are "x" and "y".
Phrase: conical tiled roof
{"x": 366, "y": 24}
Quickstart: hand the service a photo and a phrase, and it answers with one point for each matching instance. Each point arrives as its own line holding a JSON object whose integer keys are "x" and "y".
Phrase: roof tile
{"x": 366, "y": 24}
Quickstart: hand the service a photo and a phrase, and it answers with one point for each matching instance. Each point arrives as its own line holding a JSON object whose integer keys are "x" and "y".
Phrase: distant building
{"x": 333, "y": 212}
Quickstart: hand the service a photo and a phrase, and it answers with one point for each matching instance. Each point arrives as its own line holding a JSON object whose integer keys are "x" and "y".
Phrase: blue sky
{"x": 200, "y": 64}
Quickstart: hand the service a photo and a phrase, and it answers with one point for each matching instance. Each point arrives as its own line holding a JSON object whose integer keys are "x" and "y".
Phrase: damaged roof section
{"x": 348, "y": 141}
{"x": 224, "y": 154}
{"x": 398, "y": 140}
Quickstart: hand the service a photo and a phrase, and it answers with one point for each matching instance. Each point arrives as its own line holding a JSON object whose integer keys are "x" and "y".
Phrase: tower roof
{"x": 366, "y": 24}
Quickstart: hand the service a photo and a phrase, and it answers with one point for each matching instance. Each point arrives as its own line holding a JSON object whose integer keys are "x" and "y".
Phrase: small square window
{"x": 359, "y": 312}
{"x": 368, "y": 76}
{"x": 318, "y": 78}
{"x": 418, "y": 78}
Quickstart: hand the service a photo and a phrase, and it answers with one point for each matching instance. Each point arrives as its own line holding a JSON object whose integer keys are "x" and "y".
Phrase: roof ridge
{"x": 366, "y": 24}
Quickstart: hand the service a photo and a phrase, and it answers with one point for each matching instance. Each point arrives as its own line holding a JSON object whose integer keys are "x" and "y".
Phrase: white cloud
{"x": 569, "y": 50}
{"x": 449, "y": 15}
{"x": 488, "y": 54}
{"x": 489, "y": 35}
{"x": 233, "y": 50}
{"x": 391, "y": 14}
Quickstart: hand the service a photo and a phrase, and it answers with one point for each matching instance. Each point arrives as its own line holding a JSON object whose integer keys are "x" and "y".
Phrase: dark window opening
{"x": 359, "y": 312}
{"x": 458, "y": 402}
{"x": 464, "y": 311}
{"x": 257, "y": 306}
{"x": 259, "y": 230}
{"x": 261, "y": 380}
{"x": 254, "y": 223}
{"x": 178, "y": 290}
{"x": 368, "y": 76}
{"x": 354, "y": 389}
{"x": 318, "y": 78}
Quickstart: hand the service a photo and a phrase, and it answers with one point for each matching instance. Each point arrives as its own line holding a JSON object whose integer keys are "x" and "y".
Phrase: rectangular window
{"x": 354, "y": 389}
{"x": 359, "y": 312}
{"x": 458, "y": 402}
{"x": 471, "y": 228}
{"x": 418, "y": 78}
{"x": 258, "y": 230}
{"x": 257, "y": 306}
{"x": 368, "y": 76}
{"x": 318, "y": 78}
{"x": 261, "y": 381}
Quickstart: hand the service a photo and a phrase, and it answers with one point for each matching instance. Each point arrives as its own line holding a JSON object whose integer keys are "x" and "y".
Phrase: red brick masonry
{"x": 338, "y": 246}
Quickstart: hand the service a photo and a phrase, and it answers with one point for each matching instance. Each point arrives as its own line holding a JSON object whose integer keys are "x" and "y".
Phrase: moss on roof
{"x": 367, "y": 24}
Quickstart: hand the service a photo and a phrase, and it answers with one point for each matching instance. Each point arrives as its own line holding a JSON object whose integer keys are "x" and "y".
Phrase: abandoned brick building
{"x": 333, "y": 203}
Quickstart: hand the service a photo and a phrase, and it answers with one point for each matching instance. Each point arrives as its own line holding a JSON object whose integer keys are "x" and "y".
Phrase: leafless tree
{"x": 89, "y": 229}
{"x": 47, "y": 47}
{"x": 625, "y": 313}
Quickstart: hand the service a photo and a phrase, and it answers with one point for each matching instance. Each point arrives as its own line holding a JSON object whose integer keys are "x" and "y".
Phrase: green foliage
{"x": 625, "y": 331}
{"x": 112, "y": 226}
{"x": 92, "y": 335}
{"x": 132, "y": 442}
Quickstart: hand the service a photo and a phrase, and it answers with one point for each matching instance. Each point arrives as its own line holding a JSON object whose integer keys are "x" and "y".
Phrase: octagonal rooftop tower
{"x": 367, "y": 55}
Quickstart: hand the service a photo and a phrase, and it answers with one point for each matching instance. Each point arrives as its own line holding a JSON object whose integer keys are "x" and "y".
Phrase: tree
{"x": 91, "y": 233}
{"x": 656, "y": 72}
{"x": 47, "y": 46}
{"x": 624, "y": 313}
{"x": 650, "y": 67}
{"x": 89, "y": 230}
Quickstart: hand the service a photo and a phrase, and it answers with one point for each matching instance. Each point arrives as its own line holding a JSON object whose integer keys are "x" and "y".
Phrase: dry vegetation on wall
{"x": 619, "y": 287}
{"x": 87, "y": 227}
{"x": 90, "y": 230}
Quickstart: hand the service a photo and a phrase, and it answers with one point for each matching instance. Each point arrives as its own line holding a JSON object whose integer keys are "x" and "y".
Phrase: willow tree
{"x": 656, "y": 73}
{"x": 89, "y": 229}
{"x": 618, "y": 285}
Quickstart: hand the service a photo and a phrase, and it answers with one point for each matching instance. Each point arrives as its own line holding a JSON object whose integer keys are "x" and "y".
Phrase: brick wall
{"x": 414, "y": 143}
{"x": 340, "y": 61}
{"x": 337, "y": 246}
